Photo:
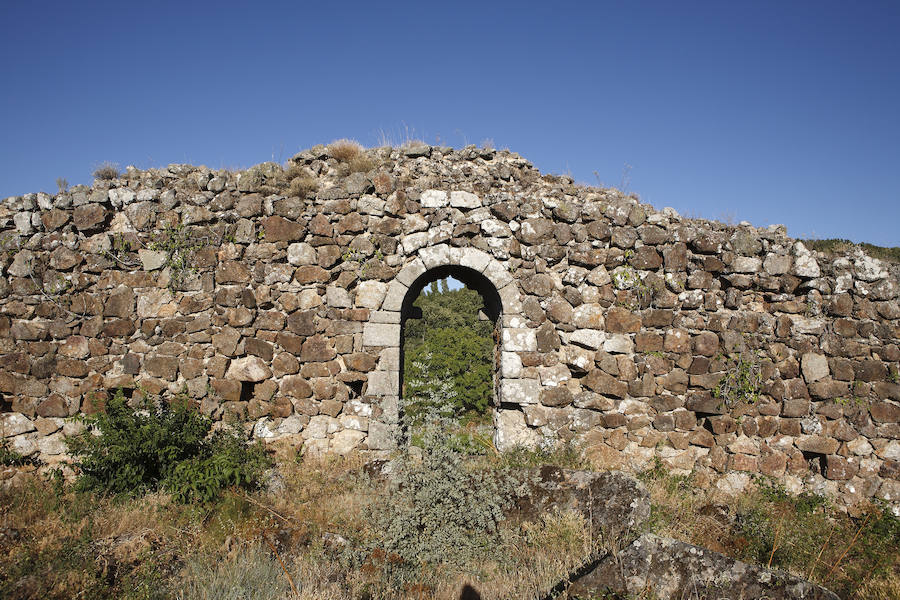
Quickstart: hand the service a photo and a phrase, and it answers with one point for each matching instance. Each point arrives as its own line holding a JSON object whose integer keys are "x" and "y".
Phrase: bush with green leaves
{"x": 444, "y": 505}
{"x": 162, "y": 446}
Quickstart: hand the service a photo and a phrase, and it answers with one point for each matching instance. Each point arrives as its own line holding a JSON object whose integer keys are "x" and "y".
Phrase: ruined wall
{"x": 278, "y": 297}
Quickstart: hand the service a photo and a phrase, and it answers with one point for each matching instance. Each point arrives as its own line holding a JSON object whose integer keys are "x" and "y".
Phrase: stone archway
{"x": 382, "y": 334}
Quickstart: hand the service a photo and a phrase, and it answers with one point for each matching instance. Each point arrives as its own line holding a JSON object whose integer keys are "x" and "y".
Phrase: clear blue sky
{"x": 770, "y": 112}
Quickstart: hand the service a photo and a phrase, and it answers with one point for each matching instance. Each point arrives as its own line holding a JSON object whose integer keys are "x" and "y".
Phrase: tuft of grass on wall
{"x": 834, "y": 246}
{"x": 107, "y": 171}
{"x": 345, "y": 150}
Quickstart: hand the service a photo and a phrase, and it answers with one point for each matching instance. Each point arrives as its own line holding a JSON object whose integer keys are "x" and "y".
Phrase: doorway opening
{"x": 450, "y": 329}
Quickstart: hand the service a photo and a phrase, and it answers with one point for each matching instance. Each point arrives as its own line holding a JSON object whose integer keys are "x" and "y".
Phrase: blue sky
{"x": 770, "y": 112}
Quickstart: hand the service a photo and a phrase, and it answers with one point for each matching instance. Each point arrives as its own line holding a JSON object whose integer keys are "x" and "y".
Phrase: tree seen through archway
{"x": 449, "y": 352}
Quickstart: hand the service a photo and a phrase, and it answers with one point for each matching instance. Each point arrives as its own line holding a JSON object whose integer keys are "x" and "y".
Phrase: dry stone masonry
{"x": 636, "y": 333}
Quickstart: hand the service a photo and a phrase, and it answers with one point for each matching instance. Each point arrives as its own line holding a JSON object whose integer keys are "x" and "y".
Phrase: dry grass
{"x": 107, "y": 171}
{"x": 318, "y": 520}
{"x": 303, "y": 186}
{"x": 886, "y": 588}
{"x": 311, "y": 531}
{"x": 298, "y": 181}
{"x": 835, "y": 247}
{"x": 361, "y": 164}
{"x": 345, "y": 150}
{"x": 853, "y": 556}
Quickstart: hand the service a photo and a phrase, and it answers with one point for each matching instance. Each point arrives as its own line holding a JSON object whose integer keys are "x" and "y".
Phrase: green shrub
{"x": 450, "y": 343}
{"x": 742, "y": 379}
{"x": 228, "y": 462}
{"x": 161, "y": 446}
{"x": 445, "y": 507}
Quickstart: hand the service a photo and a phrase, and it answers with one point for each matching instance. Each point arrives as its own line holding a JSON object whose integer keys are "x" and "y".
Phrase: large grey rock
{"x": 152, "y": 260}
{"x": 345, "y": 441}
{"x": 369, "y": 294}
{"x": 301, "y": 253}
{"x": 460, "y": 199}
{"x": 666, "y": 569}
{"x": 513, "y": 431}
{"x": 805, "y": 264}
{"x": 434, "y": 198}
{"x": 615, "y": 505}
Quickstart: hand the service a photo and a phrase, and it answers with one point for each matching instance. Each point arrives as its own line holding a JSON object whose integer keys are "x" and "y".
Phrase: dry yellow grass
{"x": 66, "y": 543}
{"x": 303, "y": 186}
{"x": 361, "y": 164}
{"x": 345, "y": 150}
{"x": 853, "y": 556}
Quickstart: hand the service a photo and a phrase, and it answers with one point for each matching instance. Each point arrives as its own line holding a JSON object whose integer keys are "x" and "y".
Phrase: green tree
{"x": 450, "y": 343}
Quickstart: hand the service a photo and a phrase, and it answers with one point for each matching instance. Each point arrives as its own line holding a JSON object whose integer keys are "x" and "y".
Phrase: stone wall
{"x": 279, "y": 295}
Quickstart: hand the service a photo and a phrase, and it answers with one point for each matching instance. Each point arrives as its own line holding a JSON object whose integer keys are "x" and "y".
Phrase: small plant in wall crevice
{"x": 179, "y": 246}
{"x": 742, "y": 379}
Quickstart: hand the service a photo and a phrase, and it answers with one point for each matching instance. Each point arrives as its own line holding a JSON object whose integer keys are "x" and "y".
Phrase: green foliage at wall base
{"x": 161, "y": 446}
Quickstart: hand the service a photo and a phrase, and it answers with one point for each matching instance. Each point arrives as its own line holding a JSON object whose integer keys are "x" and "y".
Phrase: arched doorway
{"x": 451, "y": 354}
{"x": 503, "y": 305}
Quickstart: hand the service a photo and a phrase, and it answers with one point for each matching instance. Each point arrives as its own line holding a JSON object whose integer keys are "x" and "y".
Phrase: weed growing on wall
{"x": 107, "y": 171}
{"x": 9, "y": 457}
{"x": 626, "y": 277}
{"x": 360, "y": 262}
{"x": 742, "y": 379}
{"x": 179, "y": 247}
{"x": 161, "y": 446}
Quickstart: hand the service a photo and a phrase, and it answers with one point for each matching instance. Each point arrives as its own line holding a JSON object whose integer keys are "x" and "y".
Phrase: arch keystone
{"x": 435, "y": 256}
